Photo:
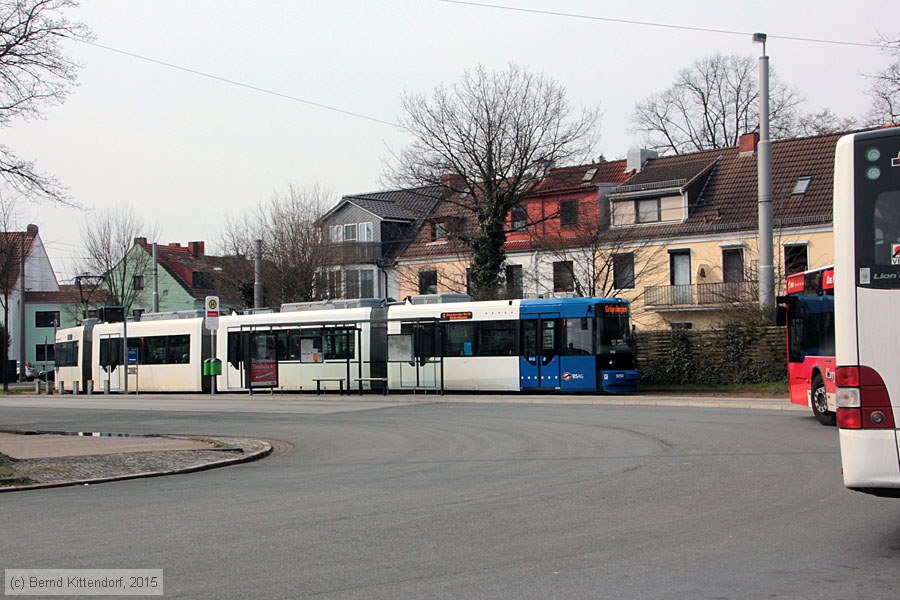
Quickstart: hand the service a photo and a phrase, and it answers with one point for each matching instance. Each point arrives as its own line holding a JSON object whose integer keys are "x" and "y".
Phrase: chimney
{"x": 31, "y": 231}
{"x": 747, "y": 144}
{"x": 196, "y": 249}
{"x": 638, "y": 157}
{"x": 454, "y": 181}
{"x": 140, "y": 241}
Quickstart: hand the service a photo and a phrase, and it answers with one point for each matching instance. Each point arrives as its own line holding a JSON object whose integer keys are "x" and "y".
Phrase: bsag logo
{"x": 569, "y": 376}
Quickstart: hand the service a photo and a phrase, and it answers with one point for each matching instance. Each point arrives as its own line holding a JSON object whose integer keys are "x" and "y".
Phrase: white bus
{"x": 867, "y": 307}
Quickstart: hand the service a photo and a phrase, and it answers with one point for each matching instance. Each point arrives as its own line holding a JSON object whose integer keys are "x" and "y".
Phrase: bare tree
{"x": 110, "y": 251}
{"x": 711, "y": 104}
{"x": 294, "y": 248}
{"x": 884, "y": 93}
{"x": 10, "y": 256}
{"x": 489, "y": 138}
{"x": 34, "y": 72}
{"x": 824, "y": 122}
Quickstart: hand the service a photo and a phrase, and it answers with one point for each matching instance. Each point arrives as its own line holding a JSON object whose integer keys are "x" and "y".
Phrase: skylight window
{"x": 801, "y": 185}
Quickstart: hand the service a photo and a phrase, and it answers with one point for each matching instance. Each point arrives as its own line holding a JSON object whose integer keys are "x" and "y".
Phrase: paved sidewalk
{"x": 34, "y": 459}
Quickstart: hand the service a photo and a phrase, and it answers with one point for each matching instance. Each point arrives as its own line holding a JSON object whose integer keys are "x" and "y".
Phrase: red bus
{"x": 807, "y": 311}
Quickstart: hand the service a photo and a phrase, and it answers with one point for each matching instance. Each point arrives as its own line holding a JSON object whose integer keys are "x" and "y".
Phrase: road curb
{"x": 265, "y": 450}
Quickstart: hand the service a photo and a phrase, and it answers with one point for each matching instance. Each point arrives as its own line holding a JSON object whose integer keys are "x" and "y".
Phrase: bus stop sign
{"x": 212, "y": 313}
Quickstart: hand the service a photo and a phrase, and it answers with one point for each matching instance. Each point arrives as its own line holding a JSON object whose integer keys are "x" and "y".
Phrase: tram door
{"x": 424, "y": 367}
{"x": 111, "y": 367}
{"x": 539, "y": 363}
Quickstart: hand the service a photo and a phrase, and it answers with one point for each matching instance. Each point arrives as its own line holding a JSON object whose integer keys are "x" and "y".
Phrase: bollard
{"x": 61, "y": 386}
{"x": 76, "y": 388}
{"x": 90, "y": 386}
{"x": 106, "y": 386}
{"x": 37, "y": 386}
{"x": 50, "y": 386}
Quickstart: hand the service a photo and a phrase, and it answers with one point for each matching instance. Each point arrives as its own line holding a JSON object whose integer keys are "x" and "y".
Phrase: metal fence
{"x": 703, "y": 294}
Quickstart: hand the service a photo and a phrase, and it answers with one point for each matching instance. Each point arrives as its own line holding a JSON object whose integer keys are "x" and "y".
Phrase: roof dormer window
{"x": 800, "y": 186}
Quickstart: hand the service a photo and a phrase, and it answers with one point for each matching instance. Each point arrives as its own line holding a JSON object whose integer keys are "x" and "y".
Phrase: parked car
{"x": 48, "y": 375}
{"x": 30, "y": 372}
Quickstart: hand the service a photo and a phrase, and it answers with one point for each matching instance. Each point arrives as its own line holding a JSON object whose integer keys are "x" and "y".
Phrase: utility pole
{"x": 22, "y": 309}
{"x": 155, "y": 278}
{"x": 257, "y": 277}
{"x": 764, "y": 177}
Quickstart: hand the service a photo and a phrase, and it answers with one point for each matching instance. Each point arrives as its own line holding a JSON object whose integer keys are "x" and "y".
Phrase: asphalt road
{"x": 475, "y": 501}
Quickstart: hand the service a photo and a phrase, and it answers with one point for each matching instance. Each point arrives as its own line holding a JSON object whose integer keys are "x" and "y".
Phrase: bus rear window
{"x": 877, "y": 214}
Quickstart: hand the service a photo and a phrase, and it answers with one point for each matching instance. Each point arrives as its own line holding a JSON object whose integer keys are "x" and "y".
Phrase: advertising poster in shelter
{"x": 263, "y": 370}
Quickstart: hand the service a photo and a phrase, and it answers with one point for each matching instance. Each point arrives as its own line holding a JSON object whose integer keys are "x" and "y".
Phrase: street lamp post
{"x": 764, "y": 176}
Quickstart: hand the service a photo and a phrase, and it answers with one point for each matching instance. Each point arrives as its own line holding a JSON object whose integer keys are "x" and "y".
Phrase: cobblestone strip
{"x": 36, "y": 473}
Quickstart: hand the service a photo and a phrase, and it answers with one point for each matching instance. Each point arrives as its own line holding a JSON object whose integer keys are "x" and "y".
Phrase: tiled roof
{"x": 722, "y": 184}
{"x": 403, "y": 205}
{"x": 573, "y": 177}
{"x": 13, "y": 240}
{"x": 671, "y": 171}
{"x": 68, "y": 293}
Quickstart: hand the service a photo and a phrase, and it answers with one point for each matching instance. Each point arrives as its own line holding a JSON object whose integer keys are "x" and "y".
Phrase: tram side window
{"x": 165, "y": 350}
{"x": 459, "y": 339}
{"x": 497, "y": 338}
{"x": 287, "y": 344}
{"x": 579, "y": 337}
{"x": 424, "y": 336}
{"x": 179, "y": 349}
{"x": 66, "y": 354}
{"x": 340, "y": 343}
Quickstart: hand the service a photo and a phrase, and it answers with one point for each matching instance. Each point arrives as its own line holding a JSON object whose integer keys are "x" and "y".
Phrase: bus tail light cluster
{"x": 862, "y": 399}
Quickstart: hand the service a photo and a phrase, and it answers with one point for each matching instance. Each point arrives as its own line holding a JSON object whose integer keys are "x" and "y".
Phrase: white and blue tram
{"x": 440, "y": 342}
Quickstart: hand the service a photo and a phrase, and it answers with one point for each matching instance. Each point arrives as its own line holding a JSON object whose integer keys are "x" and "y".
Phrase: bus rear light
{"x": 847, "y": 397}
{"x": 862, "y": 399}
{"x": 847, "y": 377}
{"x": 849, "y": 418}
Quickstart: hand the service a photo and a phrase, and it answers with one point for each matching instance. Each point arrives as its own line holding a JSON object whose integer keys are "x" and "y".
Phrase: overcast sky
{"x": 184, "y": 149}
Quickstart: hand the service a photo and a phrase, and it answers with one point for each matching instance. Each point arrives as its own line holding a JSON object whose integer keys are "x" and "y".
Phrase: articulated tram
{"x": 441, "y": 342}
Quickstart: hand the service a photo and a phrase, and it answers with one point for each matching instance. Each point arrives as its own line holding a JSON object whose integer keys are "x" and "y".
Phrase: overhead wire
{"x": 554, "y": 13}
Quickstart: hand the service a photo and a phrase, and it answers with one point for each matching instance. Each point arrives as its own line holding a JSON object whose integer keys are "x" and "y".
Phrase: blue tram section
{"x": 577, "y": 345}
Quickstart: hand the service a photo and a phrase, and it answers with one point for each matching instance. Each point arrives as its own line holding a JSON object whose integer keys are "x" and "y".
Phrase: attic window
{"x": 589, "y": 176}
{"x": 801, "y": 185}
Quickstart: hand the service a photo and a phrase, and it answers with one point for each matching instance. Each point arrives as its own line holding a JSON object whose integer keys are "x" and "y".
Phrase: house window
{"x": 365, "y": 232}
{"x": 514, "y": 281}
{"x": 680, "y": 267}
{"x": 563, "y": 276}
{"x": 438, "y": 231}
{"x": 46, "y": 318}
{"x": 350, "y": 232}
{"x": 352, "y": 283}
{"x": 568, "y": 213}
{"x": 647, "y": 211}
{"x": 202, "y": 281}
{"x": 428, "y": 282}
{"x": 44, "y": 352}
{"x": 334, "y": 284}
{"x": 337, "y": 233}
{"x": 623, "y": 271}
{"x": 367, "y": 284}
{"x": 732, "y": 265}
{"x": 137, "y": 283}
{"x": 519, "y": 217}
{"x": 795, "y": 258}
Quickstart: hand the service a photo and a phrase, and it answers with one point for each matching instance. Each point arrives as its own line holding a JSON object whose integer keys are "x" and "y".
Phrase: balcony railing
{"x": 354, "y": 253}
{"x": 704, "y": 294}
